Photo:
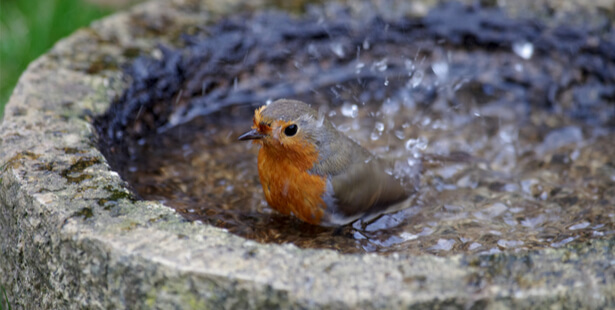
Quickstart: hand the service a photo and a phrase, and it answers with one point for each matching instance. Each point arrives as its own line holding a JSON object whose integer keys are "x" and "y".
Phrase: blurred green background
{"x": 28, "y": 28}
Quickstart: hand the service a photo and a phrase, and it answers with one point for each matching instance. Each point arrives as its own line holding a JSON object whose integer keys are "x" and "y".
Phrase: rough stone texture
{"x": 73, "y": 237}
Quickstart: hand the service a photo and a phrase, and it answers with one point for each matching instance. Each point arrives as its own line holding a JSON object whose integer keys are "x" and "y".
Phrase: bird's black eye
{"x": 291, "y": 130}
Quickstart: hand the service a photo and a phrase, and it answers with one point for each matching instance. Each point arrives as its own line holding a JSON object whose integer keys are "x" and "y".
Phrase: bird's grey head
{"x": 313, "y": 126}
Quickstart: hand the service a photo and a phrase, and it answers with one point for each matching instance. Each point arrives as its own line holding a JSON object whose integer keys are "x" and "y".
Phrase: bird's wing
{"x": 367, "y": 188}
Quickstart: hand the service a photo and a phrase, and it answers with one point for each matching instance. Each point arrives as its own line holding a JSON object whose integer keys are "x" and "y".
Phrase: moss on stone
{"x": 80, "y": 165}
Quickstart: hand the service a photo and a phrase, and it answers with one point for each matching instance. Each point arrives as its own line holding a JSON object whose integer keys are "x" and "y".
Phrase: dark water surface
{"x": 512, "y": 121}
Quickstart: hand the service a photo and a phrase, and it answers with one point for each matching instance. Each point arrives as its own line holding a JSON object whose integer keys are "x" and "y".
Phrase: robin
{"x": 310, "y": 170}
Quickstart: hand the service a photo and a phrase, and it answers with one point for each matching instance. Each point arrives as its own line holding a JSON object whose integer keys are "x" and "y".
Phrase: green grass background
{"x": 4, "y": 300}
{"x": 28, "y": 28}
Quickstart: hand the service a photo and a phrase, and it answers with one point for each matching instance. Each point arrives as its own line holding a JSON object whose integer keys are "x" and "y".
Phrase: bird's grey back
{"x": 288, "y": 110}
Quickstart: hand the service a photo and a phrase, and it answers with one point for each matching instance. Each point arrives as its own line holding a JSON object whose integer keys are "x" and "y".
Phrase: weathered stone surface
{"x": 72, "y": 235}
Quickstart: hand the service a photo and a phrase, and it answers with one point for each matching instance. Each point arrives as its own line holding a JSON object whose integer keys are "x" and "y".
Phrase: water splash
{"x": 416, "y": 79}
{"x": 350, "y": 110}
{"x": 338, "y": 49}
{"x": 523, "y": 49}
{"x": 380, "y": 65}
{"x": 440, "y": 68}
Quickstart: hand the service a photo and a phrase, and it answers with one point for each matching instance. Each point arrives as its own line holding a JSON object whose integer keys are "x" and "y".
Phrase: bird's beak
{"x": 251, "y": 135}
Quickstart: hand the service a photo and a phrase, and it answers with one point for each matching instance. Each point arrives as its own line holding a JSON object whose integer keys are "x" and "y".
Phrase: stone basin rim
{"x": 154, "y": 239}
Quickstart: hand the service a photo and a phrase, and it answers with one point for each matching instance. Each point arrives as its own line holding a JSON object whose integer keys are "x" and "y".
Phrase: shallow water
{"x": 523, "y": 185}
{"x": 515, "y": 143}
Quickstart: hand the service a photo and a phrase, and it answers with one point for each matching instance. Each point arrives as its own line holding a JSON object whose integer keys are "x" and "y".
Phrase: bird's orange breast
{"x": 288, "y": 186}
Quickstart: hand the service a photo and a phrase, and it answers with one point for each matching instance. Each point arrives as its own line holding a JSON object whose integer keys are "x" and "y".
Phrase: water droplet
{"x": 413, "y": 144}
{"x": 359, "y": 67}
{"x": 338, "y": 50}
{"x": 379, "y": 126}
{"x": 440, "y": 68}
{"x": 366, "y": 44}
{"x": 375, "y": 135}
{"x": 332, "y": 113}
{"x": 508, "y": 134}
{"x": 321, "y": 117}
{"x": 523, "y": 49}
{"x": 410, "y": 144}
{"x": 335, "y": 92}
{"x": 313, "y": 51}
{"x": 417, "y": 78}
{"x": 409, "y": 64}
{"x": 350, "y": 110}
{"x": 399, "y": 134}
{"x": 413, "y": 162}
{"x": 381, "y": 65}
{"x": 386, "y": 82}
{"x": 390, "y": 107}
{"x": 457, "y": 86}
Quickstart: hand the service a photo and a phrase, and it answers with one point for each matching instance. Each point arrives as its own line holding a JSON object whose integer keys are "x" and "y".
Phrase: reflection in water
{"x": 515, "y": 143}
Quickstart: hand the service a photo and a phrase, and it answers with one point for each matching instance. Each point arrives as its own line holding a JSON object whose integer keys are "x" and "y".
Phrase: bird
{"x": 310, "y": 170}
